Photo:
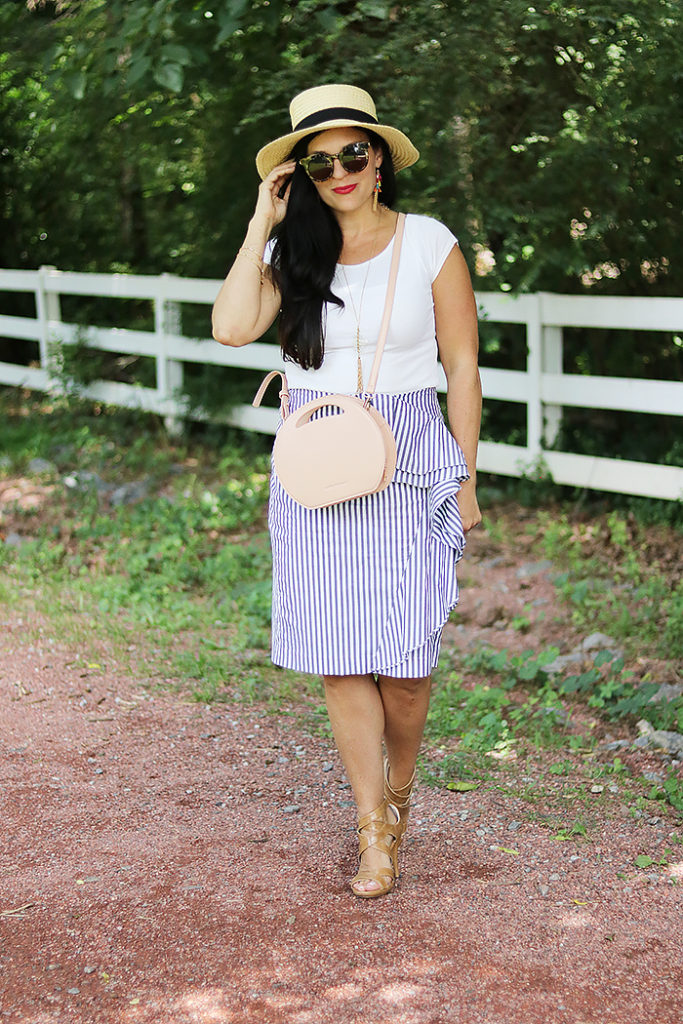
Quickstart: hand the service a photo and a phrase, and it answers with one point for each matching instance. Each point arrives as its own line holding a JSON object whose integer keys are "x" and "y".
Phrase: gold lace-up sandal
{"x": 400, "y": 799}
{"x": 374, "y": 830}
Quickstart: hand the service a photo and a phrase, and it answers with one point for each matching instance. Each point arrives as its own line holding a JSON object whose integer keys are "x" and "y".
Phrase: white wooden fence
{"x": 542, "y": 386}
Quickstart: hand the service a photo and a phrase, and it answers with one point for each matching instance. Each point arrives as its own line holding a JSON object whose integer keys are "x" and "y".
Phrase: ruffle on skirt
{"x": 368, "y": 585}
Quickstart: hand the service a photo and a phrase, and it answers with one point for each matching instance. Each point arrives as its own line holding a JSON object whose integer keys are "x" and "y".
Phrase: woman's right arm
{"x": 248, "y": 302}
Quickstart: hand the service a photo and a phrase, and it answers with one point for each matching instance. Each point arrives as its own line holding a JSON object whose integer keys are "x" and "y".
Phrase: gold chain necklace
{"x": 357, "y": 312}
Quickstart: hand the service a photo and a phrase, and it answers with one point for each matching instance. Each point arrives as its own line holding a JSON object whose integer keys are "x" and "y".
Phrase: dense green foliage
{"x": 551, "y": 143}
{"x": 550, "y": 136}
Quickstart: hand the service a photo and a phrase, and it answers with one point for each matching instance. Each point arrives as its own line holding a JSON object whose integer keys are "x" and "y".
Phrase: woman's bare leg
{"x": 405, "y": 703}
{"x": 356, "y": 715}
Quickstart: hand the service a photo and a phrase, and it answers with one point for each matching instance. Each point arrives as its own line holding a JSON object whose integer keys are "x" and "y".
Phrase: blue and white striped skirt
{"x": 367, "y": 586}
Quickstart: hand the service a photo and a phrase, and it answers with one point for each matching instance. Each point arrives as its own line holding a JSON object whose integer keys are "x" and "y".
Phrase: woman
{"x": 362, "y": 589}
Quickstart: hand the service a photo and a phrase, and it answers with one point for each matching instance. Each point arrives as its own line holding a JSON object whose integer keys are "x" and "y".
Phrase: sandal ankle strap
{"x": 403, "y": 792}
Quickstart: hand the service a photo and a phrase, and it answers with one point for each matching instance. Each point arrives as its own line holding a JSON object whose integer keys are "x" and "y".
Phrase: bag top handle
{"x": 388, "y": 305}
{"x": 284, "y": 392}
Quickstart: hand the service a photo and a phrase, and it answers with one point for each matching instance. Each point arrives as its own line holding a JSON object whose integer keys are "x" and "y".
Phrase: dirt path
{"x": 170, "y": 862}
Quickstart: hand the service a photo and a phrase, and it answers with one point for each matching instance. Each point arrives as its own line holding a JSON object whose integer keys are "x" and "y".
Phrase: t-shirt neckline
{"x": 387, "y": 247}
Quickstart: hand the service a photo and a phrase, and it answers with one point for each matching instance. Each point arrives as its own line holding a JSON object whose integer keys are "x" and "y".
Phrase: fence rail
{"x": 542, "y": 386}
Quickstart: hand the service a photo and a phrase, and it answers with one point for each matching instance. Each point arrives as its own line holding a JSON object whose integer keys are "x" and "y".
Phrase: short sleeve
{"x": 435, "y": 241}
{"x": 268, "y": 253}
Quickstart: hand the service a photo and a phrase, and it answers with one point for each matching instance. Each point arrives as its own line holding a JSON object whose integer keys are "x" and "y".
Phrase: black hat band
{"x": 335, "y": 114}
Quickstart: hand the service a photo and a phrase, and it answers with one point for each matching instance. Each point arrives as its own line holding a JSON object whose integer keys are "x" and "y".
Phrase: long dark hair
{"x": 308, "y": 242}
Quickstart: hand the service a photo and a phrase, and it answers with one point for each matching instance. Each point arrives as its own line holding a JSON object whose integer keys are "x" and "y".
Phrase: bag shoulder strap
{"x": 388, "y": 305}
{"x": 384, "y": 328}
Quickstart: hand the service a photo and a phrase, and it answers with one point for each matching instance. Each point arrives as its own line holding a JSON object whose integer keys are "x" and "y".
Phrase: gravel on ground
{"x": 168, "y": 861}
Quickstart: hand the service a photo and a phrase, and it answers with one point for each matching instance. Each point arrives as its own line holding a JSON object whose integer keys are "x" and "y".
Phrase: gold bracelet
{"x": 249, "y": 248}
{"x": 258, "y": 263}
{"x": 250, "y": 254}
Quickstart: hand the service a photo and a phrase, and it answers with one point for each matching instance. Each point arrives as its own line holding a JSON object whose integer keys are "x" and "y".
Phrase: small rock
{"x": 73, "y": 991}
{"x": 597, "y": 789}
{"x": 513, "y": 826}
{"x": 543, "y": 889}
{"x": 659, "y": 739}
{"x": 89, "y": 970}
{"x": 614, "y": 745}
{"x": 653, "y": 821}
{"x": 598, "y": 641}
{"x": 52, "y": 967}
{"x": 291, "y": 809}
{"x": 554, "y": 877}
{"x": 128, "y": 494}
{"x": 328, "y": 766}
{"x": 5, "y": 462}
{"x": 38, "y": 466}
{"x": 490, "y": 616}
{"x": 533, "y": 569}
{"x": 493, "y": 563}
{"x": 563, "y": 662}
{"x": 14, "y": 540}
{"x": 557, "y": 713}
{"x": 666, "y": 692}
{"x": 84, "y": 480}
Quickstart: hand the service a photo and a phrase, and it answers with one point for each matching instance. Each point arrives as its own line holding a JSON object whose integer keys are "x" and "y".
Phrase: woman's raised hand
{"x": 270, "y": 204}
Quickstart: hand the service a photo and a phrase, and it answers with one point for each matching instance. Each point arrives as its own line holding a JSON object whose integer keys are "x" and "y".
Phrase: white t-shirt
{"x": 409, "y": 362}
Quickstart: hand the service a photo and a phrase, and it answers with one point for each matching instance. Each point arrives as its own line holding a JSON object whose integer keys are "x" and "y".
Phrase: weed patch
{"x": 611, "y": 584}
{"x": 185, "y": 571}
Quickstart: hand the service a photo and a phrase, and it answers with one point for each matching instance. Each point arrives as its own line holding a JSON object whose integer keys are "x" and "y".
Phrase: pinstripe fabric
{"x": 367, "y": 585}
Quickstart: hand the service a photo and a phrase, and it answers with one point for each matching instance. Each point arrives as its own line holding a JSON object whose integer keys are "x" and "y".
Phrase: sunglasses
{"x": 353, "y": 158}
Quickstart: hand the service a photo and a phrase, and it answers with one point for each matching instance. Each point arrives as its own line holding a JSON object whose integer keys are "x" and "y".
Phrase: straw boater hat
{"x": 334, "y": 106}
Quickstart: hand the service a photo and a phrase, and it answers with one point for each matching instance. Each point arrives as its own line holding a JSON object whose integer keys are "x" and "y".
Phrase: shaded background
{"x": 551, "y": 142}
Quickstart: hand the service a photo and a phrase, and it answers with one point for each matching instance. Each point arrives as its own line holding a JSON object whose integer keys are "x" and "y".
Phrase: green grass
{"x": 186, "y": 572}
{"x": 610, "y": 583}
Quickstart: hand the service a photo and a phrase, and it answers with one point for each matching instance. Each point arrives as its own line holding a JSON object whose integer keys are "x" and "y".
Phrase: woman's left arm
{"x": 455, "y": 313}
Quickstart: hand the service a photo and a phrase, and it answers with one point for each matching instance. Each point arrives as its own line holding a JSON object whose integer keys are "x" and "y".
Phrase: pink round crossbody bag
{"x": 337, "y": 447}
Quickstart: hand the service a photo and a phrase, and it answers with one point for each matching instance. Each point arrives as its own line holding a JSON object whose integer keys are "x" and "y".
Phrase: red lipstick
{"x": 343, "y": 190}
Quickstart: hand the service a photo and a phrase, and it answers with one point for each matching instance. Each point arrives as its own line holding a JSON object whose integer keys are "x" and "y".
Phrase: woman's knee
{"x": 346, "y": 684}
{"x": 409, "y": 690}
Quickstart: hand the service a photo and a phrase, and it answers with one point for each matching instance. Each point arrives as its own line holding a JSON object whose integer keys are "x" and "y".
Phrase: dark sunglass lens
{"x": 319, "y": 167}
{"x": 354, "y": 158}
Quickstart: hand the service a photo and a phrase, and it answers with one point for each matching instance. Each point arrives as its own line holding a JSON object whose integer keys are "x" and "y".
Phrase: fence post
{"x": 48, "y": 308}
{"x": 168, "y": 320}
{"x": 534, "y": 413}
{"x": 551, "y": 363}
